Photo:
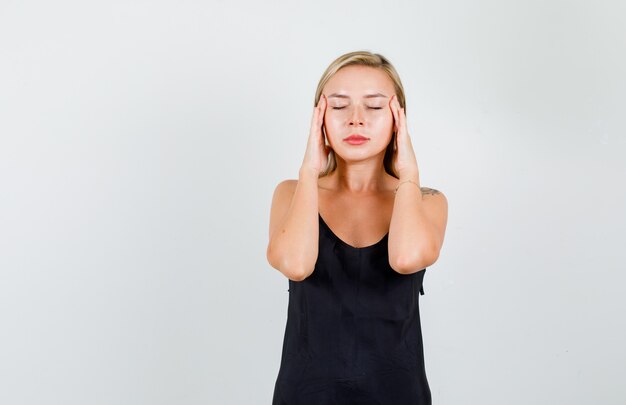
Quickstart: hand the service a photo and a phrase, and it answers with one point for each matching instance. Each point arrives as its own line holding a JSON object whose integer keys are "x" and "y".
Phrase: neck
{"x": 360, "y": 177}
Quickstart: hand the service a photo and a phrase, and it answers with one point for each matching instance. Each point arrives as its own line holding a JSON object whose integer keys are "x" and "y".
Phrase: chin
{"x": 352, "y": 153}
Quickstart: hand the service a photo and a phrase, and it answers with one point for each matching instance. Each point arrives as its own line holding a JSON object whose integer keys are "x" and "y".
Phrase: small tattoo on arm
{"x": 431, "y": 191}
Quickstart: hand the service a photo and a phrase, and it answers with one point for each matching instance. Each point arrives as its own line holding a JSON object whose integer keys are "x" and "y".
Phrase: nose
{"x": 356, "y": 118}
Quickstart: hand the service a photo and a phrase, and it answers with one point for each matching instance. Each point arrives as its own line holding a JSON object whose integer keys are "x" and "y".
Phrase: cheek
{"x": 384, "y": 120}
{"x": 333, "y": 121}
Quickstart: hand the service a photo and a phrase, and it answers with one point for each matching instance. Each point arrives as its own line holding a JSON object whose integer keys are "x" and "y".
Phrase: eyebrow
{"x": 365, "y": 96}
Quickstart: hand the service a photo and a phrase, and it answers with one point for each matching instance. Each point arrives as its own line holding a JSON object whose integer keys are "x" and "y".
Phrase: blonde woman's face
{"x": 358, "y": 103}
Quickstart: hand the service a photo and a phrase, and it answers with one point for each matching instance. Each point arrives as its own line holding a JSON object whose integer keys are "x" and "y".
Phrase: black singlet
{"x": 353, "y": 333}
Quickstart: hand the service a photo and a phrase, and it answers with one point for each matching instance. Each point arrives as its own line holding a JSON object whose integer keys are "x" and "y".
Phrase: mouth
{"x": 355, "y": 137}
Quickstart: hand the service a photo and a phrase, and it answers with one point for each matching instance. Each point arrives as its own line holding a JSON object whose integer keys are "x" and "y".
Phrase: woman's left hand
{"x": 404, "y": 161}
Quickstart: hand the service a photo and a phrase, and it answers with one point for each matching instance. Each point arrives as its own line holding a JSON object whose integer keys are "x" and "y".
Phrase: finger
{"x": 321, "y": 104}
{"x": 318, "y": 113}
{"x": 397, "y": 120}
{"x": 315, "y": 125}
{"x": 320, "y": 101}
{"x": 400, "y": 111}
{"x": 392, "y": 105}
{"x": 322, "y": 108}
{"x": 398, "y": 117}
{"x": 315, "y": 115}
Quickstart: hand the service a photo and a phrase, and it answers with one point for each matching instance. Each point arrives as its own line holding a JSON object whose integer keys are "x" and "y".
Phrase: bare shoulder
{"x": 283, "y": 193}
{"x": 285, "y": 189}
{"x": 435, "y": 206}
{"x": 289, "y": 185}
{"x": 427, "y": 191}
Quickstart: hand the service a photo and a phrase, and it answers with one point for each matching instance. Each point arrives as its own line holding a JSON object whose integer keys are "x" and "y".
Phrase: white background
{"x": 140, "y": 144}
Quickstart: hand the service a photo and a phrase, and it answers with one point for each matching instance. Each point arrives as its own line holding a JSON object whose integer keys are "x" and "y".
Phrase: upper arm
{"x": 281, "y": 200}
{"x": 435, "y": 206}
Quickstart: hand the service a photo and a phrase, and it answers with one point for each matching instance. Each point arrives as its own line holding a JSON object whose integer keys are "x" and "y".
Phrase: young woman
{"x": 354, "y": 235}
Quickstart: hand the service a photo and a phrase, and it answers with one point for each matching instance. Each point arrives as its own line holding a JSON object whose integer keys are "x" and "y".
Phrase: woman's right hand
{"x": 316, "y": 155}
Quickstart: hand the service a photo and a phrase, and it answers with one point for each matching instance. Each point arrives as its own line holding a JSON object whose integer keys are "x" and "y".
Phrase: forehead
{"x": 359, "y": 81}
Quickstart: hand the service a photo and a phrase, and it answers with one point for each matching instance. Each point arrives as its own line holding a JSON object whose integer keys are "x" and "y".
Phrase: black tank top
{"x": 353, "y": 333}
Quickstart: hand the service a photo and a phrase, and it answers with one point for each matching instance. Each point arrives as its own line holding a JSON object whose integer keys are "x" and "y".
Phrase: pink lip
{"x": 355, "y": 137}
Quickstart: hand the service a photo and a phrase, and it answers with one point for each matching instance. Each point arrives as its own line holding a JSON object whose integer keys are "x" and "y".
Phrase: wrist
{"x": 409, "y": 175}
{"x": 407, "y": 183}
{"x": 308, "y": 173}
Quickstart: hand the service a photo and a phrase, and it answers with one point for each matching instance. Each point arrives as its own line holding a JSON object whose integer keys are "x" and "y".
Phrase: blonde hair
{"x": 375, "y": 60}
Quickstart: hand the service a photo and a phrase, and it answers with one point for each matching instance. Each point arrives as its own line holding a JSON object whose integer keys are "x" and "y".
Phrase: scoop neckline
{"x": 342, "y": 242}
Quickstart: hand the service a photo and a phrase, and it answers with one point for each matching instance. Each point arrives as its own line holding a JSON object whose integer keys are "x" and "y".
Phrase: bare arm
{"x": 294, "y": 224}
{"x": 420, "y": 214}
{"x": 417, "y": 228}
{"x": 294, "y": 227}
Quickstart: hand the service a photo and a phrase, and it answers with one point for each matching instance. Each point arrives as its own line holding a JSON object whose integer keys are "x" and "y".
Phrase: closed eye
{"x": 371, "y": 108}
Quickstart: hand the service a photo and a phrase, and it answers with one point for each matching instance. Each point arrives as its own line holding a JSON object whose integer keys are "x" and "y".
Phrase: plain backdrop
{"x": 141, "y": 142}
